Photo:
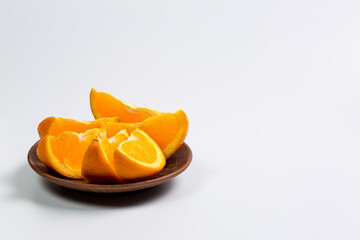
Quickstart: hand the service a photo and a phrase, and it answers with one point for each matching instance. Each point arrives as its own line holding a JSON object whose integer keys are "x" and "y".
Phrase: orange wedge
{"x": 168, "y": 130}
{"x": 105, "y": 105}
{"x": 138, "y": 158}
{"x": 98, "y": 162}
{"x": 64, "y": 153}
{"x": 55, "y": 125}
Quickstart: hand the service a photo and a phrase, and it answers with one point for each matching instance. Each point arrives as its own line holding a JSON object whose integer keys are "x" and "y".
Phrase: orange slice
{"x": 113, "y": 128}
{"x": 138, "y": 158}
{"x": 55, "y": 125}
{"x": 64, "y": 153}
{"x": 168, "y": 130}
{"x": 98, "y": 162}
{"x": 105, "y": 105}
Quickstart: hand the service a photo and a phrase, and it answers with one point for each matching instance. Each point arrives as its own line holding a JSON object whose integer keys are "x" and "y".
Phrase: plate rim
{"x": 105, "y": 188}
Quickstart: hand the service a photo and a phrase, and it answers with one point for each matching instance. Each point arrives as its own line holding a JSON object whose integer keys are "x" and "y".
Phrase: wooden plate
{"x": 175, "y": 165}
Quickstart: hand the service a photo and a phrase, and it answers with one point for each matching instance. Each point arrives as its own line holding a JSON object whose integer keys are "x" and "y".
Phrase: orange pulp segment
{"x": 64, "y": 153}
{"x": 55, "y": 125}
{"x": 138, "y": 158}
{"x": 168, "y": 130}
{"x": 98, "y": 162}
{"x": 105, "y": 105}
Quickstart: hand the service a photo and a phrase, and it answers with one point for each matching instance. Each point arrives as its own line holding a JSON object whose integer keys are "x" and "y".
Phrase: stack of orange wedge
{"x": 123, "y": 144}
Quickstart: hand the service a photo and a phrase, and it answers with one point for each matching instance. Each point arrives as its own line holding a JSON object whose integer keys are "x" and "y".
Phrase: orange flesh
{"x": 45, "y": 125}
{"x": 169, "y": 126}
{"x": 63, "y": 146}
{"x": 98, "y": 161}
{"x": 153, "y": 136}
{"x": 54, "y": 126}
{"x": 118, "y": 138}
{"x": 113, "y": 128}
{"x": 168, "y": 130}
{"x": 96, "y": 165}
{"x": 138, "y": 158}
{"x": 108, "y": 150}
{"x": 70, "y": 125}
{"x": 108, "y": 106}
{"x": 135, "y": 150}
{"x": 64, "y": 153}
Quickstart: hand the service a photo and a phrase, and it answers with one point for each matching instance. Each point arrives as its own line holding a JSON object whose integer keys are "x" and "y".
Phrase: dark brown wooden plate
{"x": 175, "y": 165}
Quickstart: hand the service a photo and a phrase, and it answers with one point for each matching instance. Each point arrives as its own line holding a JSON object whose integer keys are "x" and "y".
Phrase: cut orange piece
{"x": 55, "y": 125}
{"x": 138, "y": 158}
{"x": 105, "y": 105}
{"x": 64, "y": 153}
{"x": 98, "y": 162}
{"x": 168, "y": 130}
{"x": 113, "y": 128}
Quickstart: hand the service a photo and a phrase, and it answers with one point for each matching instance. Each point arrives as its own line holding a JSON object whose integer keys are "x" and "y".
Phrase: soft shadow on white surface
{"x": 30, "y": 187}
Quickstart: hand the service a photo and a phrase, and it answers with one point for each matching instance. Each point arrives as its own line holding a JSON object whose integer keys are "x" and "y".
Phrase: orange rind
{"x": 64, "y": 153}
{"x": 138, "y": 158}
{"x": 105, "y": 105}
{"x": 168, "y": 130}
{"x": 55, "y": 125}
{"x": 98, "y": 162}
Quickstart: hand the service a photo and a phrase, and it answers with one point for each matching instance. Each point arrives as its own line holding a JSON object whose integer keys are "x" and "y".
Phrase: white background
{"x": 271, "y": 90}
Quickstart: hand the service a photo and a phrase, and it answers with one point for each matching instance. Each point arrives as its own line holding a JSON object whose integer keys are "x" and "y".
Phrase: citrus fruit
{"x": 64, "y": 153}
{"x": 105, "y": 105}
{"x": 168, "y": 130}
{"x": 138, "y": 158}
{"x": 55, "y": 125}
{"x": 98, "y": 163}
